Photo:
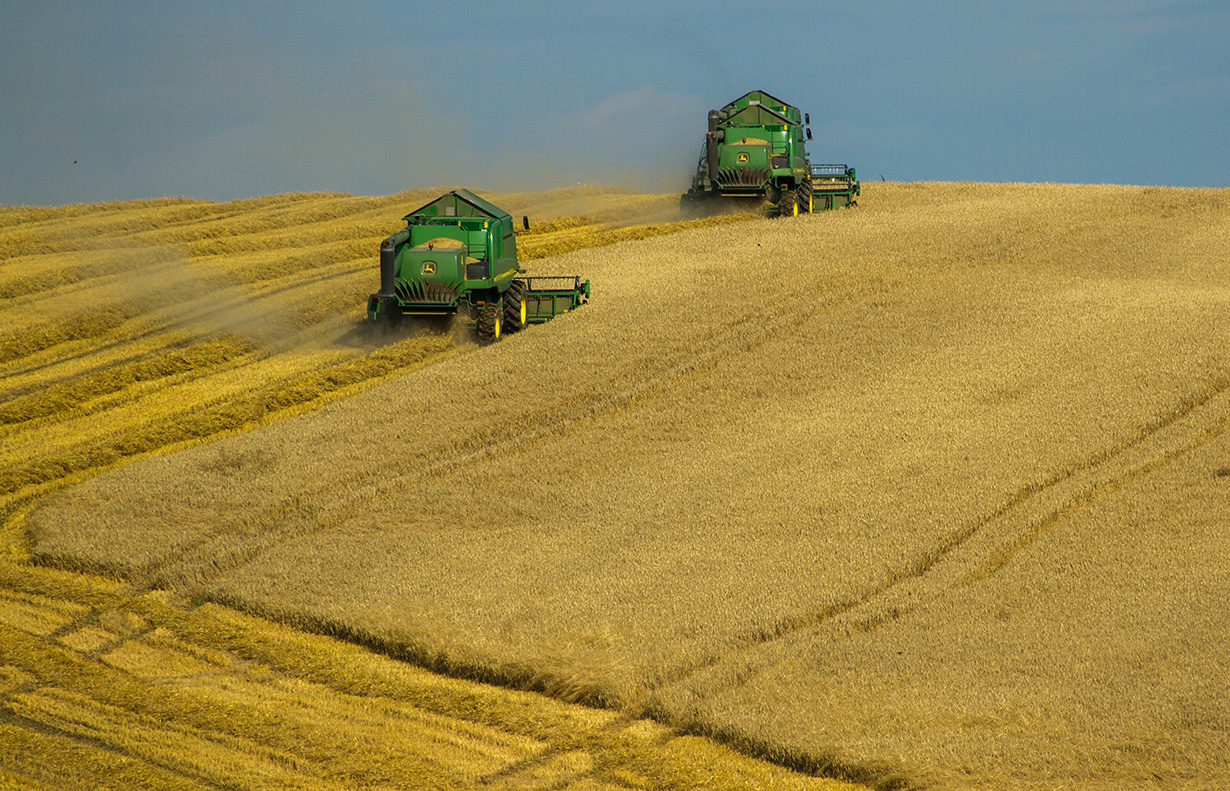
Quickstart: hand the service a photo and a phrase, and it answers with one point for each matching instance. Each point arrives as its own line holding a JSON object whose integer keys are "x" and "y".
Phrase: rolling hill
{"x": 931, "y": 491}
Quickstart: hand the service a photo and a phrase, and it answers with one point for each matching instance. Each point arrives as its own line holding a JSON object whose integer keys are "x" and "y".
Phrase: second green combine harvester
{"x": 458, "y": 255}
{"x": 755, "y": 151}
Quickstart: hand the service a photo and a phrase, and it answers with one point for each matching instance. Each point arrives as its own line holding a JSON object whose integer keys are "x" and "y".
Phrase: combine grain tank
{"x": 755, "y": 151}
{"x": 458, "y": 256}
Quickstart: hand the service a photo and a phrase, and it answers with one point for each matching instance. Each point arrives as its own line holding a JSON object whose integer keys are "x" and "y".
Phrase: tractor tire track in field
{"x": 60, "y": 640}
{"x": 321, "y": 508}
{"x": 979, "y": 550}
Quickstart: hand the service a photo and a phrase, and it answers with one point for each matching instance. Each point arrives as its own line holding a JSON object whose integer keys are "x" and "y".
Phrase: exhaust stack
{"x": 388, "y": 252}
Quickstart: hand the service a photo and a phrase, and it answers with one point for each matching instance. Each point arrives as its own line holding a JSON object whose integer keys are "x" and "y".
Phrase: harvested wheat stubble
{"x": 105, "y": 687}
{"x": 219, "y": 342}
{"x": 767, "y": 459}
{"x": 103, "y": 297}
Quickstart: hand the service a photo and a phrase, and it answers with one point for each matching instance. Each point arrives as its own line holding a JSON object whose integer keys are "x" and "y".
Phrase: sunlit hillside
{"x": 132, "y": 329}
{"x": 931, "y": 491}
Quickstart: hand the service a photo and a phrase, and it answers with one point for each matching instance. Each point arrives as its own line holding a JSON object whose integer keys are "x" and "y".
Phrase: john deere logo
{"x": 743, "y": 157}
{"x": 429, "y": 267}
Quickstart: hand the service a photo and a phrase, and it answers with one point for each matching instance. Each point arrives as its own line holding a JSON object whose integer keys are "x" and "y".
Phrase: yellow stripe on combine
{"x": 506, "y": 274}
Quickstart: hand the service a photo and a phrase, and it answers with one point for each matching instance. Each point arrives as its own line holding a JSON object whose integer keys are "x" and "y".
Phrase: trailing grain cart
{"x": 755, "y": 153}
{"x": 457, "y": 256}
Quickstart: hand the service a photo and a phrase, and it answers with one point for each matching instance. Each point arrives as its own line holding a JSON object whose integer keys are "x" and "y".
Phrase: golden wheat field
{"x": 930, "y": 492}
{"x": 133, "y": 329}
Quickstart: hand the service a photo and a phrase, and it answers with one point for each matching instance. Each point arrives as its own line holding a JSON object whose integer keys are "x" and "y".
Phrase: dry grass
{"x": 834, "y": 489}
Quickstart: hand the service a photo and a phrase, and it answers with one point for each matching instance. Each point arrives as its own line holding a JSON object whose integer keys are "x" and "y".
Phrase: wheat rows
{"x": 931, "y": 490}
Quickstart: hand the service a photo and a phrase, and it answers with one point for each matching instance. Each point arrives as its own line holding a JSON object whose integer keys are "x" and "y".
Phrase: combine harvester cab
{"x": 458, "y": 256}
{"x": 755, "y": 151}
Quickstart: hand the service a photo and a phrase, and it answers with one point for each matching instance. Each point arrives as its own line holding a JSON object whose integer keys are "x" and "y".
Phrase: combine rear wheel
{"x": 806, "y": 200}
{"x": 790, "y": 203}
{"x": 489, "y": 322}
{"x": 514, "y": 306}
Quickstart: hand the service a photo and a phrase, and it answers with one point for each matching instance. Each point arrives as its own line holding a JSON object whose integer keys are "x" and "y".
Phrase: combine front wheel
{"x": 489, "y": 322}
{"x": 514, "y": 306}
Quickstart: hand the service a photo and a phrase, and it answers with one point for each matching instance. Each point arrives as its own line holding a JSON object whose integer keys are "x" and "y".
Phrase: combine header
{"x": 755, "y": 151}
{"x": 833, "y": 186}
{"x": 458, "y": 256}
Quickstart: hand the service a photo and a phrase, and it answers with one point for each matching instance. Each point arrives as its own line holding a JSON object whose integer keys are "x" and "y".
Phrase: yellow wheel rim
{"x": 523, "y": 312}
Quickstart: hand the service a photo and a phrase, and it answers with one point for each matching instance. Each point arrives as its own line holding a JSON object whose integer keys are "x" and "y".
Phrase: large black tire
{"x": 489, "y": 325}
{"x": 514, "y": 306}
{"x": 805, "y": 196}
{"x": 789, "y": 206}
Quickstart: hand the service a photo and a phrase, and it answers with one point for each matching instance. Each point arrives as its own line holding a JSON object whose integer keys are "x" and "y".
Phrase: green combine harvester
{"x": 755, "y": 153}
{"x": 458, "y": 256}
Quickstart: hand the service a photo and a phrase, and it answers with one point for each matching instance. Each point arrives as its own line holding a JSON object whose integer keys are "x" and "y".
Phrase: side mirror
{"x": 525, "y": 222}
{"x": 807, "y": 118}
{"x": 809, "y": 133}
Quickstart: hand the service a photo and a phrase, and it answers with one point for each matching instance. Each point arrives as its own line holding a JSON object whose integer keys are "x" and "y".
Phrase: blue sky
{"x": 221, "y": 100}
